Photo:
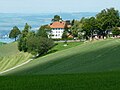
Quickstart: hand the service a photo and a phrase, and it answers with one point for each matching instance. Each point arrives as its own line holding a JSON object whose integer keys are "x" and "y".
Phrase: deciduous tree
{"x": 56, "y": 18}
{"x": 15, "y": 32}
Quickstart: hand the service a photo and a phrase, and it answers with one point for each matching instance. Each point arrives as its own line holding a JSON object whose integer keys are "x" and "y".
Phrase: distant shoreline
{"x": 7, "y": 40}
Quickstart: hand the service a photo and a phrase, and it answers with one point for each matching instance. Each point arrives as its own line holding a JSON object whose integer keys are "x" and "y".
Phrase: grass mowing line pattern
{"x": 16, "y": 66}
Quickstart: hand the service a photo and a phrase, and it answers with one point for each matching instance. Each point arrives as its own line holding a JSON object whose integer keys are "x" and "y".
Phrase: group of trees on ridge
{"x": 105, "y": 22}
{"x": 38, "y": 43}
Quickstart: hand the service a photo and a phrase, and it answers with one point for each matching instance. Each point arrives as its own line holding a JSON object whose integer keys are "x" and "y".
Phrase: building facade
{"x": 58, "y": 28}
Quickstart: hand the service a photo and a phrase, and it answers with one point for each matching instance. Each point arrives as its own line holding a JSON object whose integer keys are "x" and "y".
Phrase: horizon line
{"x": 43, "y": 12}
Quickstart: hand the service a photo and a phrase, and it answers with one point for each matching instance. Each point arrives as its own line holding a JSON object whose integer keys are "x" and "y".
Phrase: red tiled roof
{"x": 58, "y": 24}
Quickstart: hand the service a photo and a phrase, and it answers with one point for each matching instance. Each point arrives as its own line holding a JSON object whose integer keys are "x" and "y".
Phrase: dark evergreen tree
{"x": 26, "y": 30}
{"x": 22, "y": 45}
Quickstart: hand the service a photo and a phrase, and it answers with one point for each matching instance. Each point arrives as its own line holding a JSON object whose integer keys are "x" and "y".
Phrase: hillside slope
{"x": 8, "y": 49}
{"x": 97, "y": 56}
{"x": 10, "y": 56}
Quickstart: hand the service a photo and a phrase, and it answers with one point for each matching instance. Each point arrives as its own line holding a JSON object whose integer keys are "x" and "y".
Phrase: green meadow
{"x": 86, "y": 81}
{"x": 96, "y": 56}
{"x": 91, "y": 65}
{"x": 10, "y": 56}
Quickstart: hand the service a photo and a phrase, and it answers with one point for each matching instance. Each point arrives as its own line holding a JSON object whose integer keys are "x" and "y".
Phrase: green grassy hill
{"x": 10, "y": 56}
{"x": 89, "y": 66}
{"x": 97, "y": 56}
{"x": 8, "y": 49}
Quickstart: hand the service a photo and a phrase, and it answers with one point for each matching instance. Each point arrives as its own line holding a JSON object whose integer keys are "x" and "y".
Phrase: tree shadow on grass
{"x": 49, "y": 52}
{"x": 52, "y": 51}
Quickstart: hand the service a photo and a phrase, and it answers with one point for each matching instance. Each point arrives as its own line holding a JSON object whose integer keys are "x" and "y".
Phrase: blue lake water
{"x": 8, "y": 20}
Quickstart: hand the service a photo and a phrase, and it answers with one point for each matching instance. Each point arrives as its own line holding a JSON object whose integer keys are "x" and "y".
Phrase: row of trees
{"x": 108, "y": 20}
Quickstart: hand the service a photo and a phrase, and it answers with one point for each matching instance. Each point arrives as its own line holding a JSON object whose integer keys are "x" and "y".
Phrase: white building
{"x": 57, "y": 29}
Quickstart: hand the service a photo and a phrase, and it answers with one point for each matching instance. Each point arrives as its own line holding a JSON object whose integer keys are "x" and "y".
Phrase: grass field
{"x": 95, "y": 56}
{"x": 8, "y": 49}
{"x": 89, "y": 81}
{"x": 60, "y": 46}
{"x": 10, "y": 56}
{"x": 89, "y": 66}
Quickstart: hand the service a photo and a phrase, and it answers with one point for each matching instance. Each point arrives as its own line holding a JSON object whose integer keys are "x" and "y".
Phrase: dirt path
{"x": 15, "y": 67}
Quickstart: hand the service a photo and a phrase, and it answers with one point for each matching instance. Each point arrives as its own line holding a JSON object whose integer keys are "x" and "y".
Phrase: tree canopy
{"x": 14, "y": 33}
{"x": 102, "y": 23}
{"x": 43, "y": 31}
{"x": 116, "y": 31}
{"x": 107, "y": 19}
{"x": 39, "y": 45}
{"x": 56, "y": 18}
{"x": 76, "y": 28}
{"x": 35, "y": 43}
{"x": 22, "y": 45}
{"x": 27, "y": 28}
{"x": 89, "y": 26}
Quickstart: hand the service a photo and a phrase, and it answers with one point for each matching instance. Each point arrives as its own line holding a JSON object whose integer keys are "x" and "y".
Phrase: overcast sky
{"x": 44, "y": 6}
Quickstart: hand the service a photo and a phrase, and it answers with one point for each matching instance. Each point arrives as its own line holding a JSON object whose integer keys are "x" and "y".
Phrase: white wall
{"x": 57, "y": 33}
